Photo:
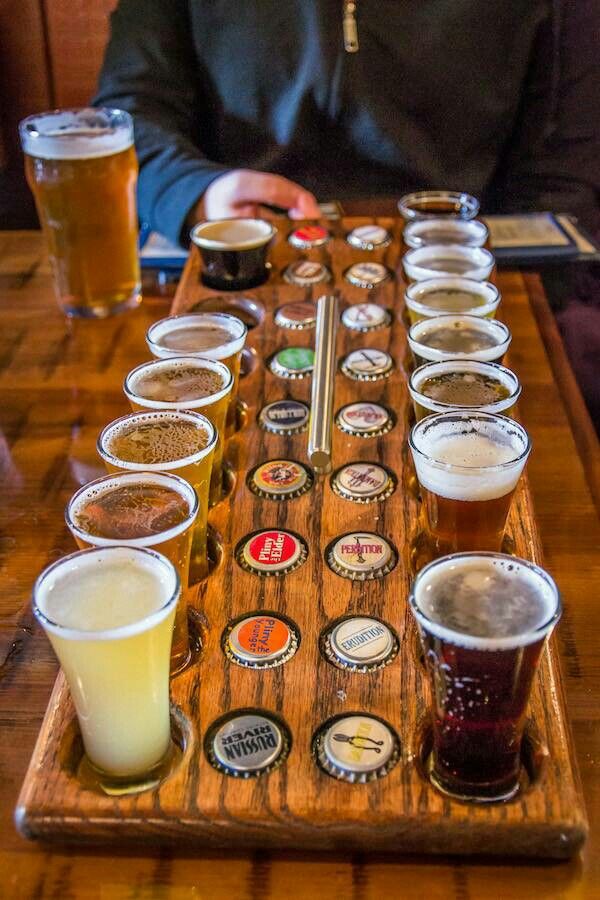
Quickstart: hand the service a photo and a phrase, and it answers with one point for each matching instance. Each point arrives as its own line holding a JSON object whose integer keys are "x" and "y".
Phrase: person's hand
{"x": 242, "y": 192}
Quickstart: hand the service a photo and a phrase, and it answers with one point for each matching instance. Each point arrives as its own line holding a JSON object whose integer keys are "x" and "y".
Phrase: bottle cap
{"x": 260, "y": 641}
{"x": 246, "y": 744}
{"x": 293, "y": 362}
{"x": 369, "y": 237}
{"x": 364, "y": 419}
{"x": 306, "y": 272}
{"x": 280, "y": 479}
{"x": 308, "y": 236}
{"x": 361, "y": 556}
{"x": 366, "y": 317}
{"x": 363, "y": 482}
{"x": 367, "y": 364}
{"x": 367, "y": 274}
{"x": 284, "y": 417}
{"x": 297, "y": 316}
{"x": 356, "y": 748}
{"x": 271, "y": 552}
{"x": 360, "y": 644}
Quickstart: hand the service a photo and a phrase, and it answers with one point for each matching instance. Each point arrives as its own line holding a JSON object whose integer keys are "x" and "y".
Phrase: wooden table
{"x": 60, "y": 383}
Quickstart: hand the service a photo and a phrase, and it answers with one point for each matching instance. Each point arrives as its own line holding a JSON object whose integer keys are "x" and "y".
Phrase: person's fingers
{"x": 278, "y": 191}
{"x": 241, "y": 191}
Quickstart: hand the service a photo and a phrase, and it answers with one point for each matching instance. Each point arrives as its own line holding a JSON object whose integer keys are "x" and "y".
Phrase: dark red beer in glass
{"x": 483, "y": 619}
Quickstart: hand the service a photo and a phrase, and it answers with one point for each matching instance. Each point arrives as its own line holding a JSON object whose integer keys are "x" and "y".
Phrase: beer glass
{"x": 177, "y": 442}
{"x": 211, "y": 335}
{"x": 458, "y": 337}
{"x": 145, "y": 509}
{"x": 445, "y": 230}
{"x": 108, "y": 614}
{"x": 468, "y": 466}
{"x": 186, "y": 382}
{"x": 434, "y": 204}
{"x": 82, "y": 169}
{"x": 234, "y": 252}
{"x": 435, "y": 260}
{"x": 483, "y": 619}
{"x": 436, "y": 296}
{"x": 463, "y": 384}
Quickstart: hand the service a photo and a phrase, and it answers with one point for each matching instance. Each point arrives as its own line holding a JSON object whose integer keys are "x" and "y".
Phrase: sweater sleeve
{"x": 553, "y": 158}
{"x": 150, "y": 70}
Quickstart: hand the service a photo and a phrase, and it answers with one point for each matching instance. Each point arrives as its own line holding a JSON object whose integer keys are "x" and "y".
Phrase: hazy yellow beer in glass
{"x": 82, "y": 170}
{"x": 145, "y": 509}
{"x": 109, "y": 616}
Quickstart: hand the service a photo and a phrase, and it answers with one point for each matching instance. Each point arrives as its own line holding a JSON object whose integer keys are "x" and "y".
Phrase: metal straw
{"x": 321, "y": 415}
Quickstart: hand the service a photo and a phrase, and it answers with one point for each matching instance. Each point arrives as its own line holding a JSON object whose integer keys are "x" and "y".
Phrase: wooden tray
{"x": 298, "y": 805}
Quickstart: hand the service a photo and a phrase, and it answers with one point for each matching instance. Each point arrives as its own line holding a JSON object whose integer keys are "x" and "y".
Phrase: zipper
{"x": 350, "y": 26}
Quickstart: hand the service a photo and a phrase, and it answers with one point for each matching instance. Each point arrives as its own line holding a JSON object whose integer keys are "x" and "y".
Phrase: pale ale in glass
{"x": 186, "y": 383}
{"x": 211, "y": 335}
{"x": 458, "y": 337}
{"x": 109, "y": 616}
{"x": 483, "y": 620}
{"x": 145, "y": 509}
{"x": 182, "y": 443}
{"x": 437, "y": 296}
{"x": 436, "y": 260}
{"x": 82, "y": 169}
{"x": 468, "y": 466}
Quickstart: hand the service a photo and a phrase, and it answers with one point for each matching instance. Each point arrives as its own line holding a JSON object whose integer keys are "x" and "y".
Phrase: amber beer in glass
{"x": 211, "y": 335}
{"x": 450, "y": 295}
{"x": 446, "y": 337}
{"x": 82, "y": 169}
{"x": 483, "y": 620}
{"x": 109, "y": 616}
{"x": 181, "y": 443}
{"x": 463, "y": 384}
{"x": 145, "y": 509}
{"x": 186, "y": 383}
{"x": 468, "y": 466}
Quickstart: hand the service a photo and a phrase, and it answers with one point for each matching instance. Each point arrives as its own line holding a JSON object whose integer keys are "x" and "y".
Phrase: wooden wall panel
{"x": 77, "y": 34}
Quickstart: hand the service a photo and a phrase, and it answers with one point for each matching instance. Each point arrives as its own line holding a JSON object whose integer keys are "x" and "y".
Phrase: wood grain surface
{"x": 299, "y": 806}
{"x": 60, "y": 384}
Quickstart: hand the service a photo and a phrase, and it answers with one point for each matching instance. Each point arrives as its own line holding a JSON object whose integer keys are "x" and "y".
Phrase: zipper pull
{"x": 350, "y": 27}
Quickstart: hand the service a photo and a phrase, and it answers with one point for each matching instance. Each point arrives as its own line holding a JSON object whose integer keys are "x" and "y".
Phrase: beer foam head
{"x": 159, "y": 439}
{"x": 76, "y": 515}
{"x": 232, "y": 234}
{"x": 485, "y": 601}
{"x": 196, "y": 381}
{"x": 105, "y": 594}
{"x": 469, "y": 457}
{"x": 191, "y": 335}
{"x": 76, "y": 133}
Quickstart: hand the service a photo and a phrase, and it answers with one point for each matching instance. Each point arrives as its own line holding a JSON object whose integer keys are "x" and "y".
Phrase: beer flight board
{"x": 287, "y": 709}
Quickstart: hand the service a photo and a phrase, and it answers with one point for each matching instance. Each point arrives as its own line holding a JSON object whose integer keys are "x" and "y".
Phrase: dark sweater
{"x": 497, "y": 98}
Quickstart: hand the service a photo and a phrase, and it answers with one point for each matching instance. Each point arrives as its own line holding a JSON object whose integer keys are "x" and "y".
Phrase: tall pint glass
{"x": 109, "y": 616}
{"x": 82, "y": 169}
{"x": 483, "y": 619}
